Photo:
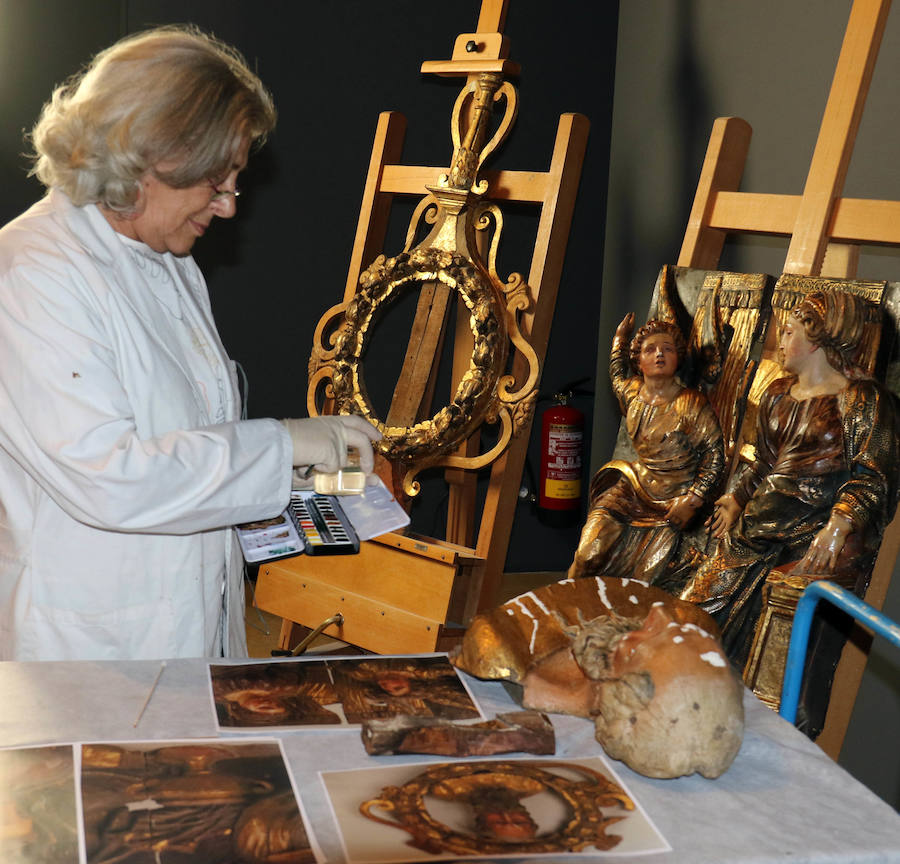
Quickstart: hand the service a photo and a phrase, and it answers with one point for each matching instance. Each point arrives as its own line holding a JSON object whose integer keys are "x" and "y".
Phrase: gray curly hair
{"x": 170, "y": 95}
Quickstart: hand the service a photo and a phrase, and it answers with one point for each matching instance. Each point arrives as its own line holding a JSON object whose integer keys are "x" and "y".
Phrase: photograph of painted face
{"x": 373, "y": 688}
{"x": 327, "y": 692}
{"x": 286, "y": 694}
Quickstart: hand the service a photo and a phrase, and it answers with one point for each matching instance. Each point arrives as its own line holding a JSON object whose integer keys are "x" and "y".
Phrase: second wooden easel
{"x": 826, "y": 232}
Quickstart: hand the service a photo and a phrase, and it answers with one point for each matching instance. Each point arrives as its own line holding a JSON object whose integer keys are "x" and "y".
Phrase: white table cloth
{"x": 781, "y": 800}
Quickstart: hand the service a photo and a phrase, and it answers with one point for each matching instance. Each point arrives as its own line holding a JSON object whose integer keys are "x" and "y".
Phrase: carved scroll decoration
{"x": 448, "y": 257}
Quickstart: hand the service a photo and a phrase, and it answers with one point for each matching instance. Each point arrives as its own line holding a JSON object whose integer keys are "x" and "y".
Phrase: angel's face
{"x": 659, "y": 356}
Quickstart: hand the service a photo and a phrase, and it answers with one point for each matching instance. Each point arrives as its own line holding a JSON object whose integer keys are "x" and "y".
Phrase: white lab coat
{"x": 123, "y": 462}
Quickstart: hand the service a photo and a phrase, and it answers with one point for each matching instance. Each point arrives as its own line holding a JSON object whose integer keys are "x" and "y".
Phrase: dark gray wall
{"x": 332, "y": 67}
{"x": 680, "y": 64}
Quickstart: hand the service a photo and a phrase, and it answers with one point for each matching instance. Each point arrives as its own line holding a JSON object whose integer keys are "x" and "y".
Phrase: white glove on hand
{"x": 302, "y": 479}
{"x": 322, "y": 442}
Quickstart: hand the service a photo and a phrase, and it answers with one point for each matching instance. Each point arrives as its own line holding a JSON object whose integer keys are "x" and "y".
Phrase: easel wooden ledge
{"x": 826, "y": 231}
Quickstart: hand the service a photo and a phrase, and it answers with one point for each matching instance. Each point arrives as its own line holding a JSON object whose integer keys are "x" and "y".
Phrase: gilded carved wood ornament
{"x": 448, "y": 256}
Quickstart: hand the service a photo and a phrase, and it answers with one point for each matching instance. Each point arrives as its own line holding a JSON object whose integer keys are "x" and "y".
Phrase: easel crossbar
{"x": 529, "y": 187}
{"x": 854, "y": 220}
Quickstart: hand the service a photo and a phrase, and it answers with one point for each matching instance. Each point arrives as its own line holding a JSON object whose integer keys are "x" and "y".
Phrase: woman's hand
{"x": 682, "y": 509}
{"x": 726, "y": 513}
{"x": 322, "y": 442}
{"x": 822, "y": 555}
{"x": 625, "y": 328}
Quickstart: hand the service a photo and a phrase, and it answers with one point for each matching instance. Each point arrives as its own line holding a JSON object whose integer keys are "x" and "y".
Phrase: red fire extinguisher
{"x": 562, "y": 446}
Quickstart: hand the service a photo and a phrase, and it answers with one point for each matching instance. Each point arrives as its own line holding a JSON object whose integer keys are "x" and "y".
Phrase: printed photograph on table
{"x": 198, "y": 800}
{"x": 498, "y": 808}
{"x": 283, "y": 695}
{"x": 373, "y": 688}
{"x": 38, "y": 816}
{"x": 310, "y": 693}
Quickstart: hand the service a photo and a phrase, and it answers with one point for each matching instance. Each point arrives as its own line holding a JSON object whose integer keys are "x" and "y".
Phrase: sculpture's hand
{"x": 822, "y": 555}
{"x": 724, "y": 516}
{"x": 682, "y": 509}
{"x": 625, "y": 328}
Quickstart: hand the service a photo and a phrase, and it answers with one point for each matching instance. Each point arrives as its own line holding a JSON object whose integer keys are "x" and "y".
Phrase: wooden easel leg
{"x": 849, "y": 673}
{"x": 837, "y": 135}
{"x": 291, "y": 634}
{"x": 543, "y": 277}
{"x": 841, "y": 260}
{"x": 375, "y": 207}
{"x": 722, "y": 170}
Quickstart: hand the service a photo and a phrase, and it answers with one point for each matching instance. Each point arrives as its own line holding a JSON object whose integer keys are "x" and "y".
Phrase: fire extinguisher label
{"x": 563, "y": 472}
{"x": 562, "y": 488}
{"x": 562, "y": 437}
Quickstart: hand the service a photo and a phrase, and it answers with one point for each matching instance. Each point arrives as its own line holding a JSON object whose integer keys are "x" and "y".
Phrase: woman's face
{"x": 795, "y": 346}
{"x": 659, "y": 356}
{"x": 172, "y": 219}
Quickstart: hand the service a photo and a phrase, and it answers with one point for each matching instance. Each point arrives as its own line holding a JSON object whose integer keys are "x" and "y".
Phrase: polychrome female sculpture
{"x": 823, "y": 484}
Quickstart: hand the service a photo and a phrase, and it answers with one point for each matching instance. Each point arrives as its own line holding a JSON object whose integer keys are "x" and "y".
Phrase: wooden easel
{"x": 826, "y": 231}
{"x": 401, "y": 591}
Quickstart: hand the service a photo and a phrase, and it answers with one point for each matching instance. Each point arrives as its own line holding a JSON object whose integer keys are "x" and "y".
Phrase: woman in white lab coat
{"x": 123, "y": 461}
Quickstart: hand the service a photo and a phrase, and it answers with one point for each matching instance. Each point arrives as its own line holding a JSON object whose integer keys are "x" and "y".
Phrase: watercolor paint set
{"x": 312, "y": 524}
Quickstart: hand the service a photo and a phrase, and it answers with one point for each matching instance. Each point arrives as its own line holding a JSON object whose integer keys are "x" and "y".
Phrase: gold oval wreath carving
{"x": 585, "y": 799}
{"x": 475, "y": 398}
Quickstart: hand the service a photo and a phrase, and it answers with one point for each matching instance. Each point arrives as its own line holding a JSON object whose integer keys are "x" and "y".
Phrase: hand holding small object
{"x": 302, "y": 479}
{"x": 321, "y": 442}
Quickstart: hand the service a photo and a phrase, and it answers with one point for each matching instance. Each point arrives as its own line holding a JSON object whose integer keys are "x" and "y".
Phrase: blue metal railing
{"x": 796, "y": 659}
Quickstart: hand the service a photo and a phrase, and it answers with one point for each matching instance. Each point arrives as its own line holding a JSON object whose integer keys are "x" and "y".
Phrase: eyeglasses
{"x": 222, "y": 194}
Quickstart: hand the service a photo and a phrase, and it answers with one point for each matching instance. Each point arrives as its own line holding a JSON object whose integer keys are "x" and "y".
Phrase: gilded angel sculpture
{"x": 638, "y": 509}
